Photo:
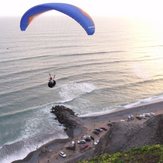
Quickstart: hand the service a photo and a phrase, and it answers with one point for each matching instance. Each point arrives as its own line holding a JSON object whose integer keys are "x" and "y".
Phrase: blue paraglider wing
{"x": 74, "y": 12}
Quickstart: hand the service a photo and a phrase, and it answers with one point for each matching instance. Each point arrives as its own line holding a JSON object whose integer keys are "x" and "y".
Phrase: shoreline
{"x": 152, "y": 107}
{"x": 90, "y": 122}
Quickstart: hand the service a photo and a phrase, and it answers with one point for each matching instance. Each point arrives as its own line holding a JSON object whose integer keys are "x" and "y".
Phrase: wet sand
{"x": 49, "y": 153}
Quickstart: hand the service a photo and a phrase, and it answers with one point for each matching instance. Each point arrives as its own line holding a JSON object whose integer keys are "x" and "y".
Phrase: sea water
{"x": 119, "y": 67}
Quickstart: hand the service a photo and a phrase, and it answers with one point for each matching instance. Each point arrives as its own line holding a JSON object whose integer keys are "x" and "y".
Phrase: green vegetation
{"x": 146, "y": 154}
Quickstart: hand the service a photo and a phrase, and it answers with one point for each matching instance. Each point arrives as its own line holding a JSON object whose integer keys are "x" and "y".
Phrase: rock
{"x": 65, "y": 116}
{"x": 69, "y": 119}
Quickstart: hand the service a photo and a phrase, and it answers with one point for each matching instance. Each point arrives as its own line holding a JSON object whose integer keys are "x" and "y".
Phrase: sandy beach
{"x": 49, "y": 153}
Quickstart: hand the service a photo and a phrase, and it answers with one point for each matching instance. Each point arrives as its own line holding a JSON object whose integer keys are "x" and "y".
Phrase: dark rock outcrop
{"x": 73, "y": 124}
{"x": 65, "y": 116}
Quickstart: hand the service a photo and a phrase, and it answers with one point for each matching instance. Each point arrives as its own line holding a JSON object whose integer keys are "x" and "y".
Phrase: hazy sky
{"x": 137, "y": 8}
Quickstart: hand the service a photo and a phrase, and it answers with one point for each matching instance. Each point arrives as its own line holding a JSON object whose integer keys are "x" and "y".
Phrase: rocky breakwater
{"x": 73, "y": 127}
{"x": 72, "y": 123}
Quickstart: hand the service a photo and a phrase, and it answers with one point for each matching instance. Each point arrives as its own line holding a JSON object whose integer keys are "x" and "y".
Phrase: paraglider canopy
{"x": 74, "y": 12}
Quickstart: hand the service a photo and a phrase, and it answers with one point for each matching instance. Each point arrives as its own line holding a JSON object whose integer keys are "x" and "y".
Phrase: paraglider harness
{"x": 51, "y": 83}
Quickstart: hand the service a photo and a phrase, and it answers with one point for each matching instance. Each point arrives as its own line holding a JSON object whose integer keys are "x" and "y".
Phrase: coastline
{"x": 155, "y": 107}
{"x": 42, "y": 155}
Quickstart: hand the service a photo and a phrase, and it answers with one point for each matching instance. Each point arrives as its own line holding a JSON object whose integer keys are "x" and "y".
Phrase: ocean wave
{"x": 140, "y": 102}
{"x": 79, "y": 54}
{"x": 92, "y": 73}
{"x": 103, "y": 111}
{"x": 95, "y": 62}
{"x": 145, "y": 101}
{"x": 23, "y": 111}
{"x": 128, "y": 85}
{"x": 70, "y": 91}
{"x": 38, "y": 48}
{"x": 47, "y": 55}
{"x": 65, "y": 92}
{"x": 151, "y": 46}
{"x": 32, "y": 72}
{"x": 20, "y": 149}
{"x": 93, "y": 53}
{"x": 39, "y": 128}
{"x": 20, "y": 89}
{"x": 24, "y": 58}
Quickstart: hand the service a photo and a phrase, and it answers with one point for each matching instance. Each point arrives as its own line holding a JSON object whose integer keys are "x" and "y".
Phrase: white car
{"x": 96, "y": 142}
{"x": 62, "y": 154}
{"x": 81, "y": 142}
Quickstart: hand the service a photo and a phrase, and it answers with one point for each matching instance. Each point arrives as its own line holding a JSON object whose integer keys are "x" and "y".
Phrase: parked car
{"x": 62, "y": 154}
{"x": 81, "y": 141}
{"x": 87, "y": 138}
{"x": 96, "y": 142}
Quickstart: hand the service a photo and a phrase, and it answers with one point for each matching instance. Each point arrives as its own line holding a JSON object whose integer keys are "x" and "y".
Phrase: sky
{"x": 151, "y": 9}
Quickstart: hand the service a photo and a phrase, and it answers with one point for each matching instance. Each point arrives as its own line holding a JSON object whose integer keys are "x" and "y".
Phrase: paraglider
{"x": 80, "y": 16}
{"x": 72, "y": 11}
{"x": 51, "y": 82}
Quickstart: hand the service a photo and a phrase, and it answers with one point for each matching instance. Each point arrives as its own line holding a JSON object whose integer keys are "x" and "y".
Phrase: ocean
{"x": 119, "y": 67}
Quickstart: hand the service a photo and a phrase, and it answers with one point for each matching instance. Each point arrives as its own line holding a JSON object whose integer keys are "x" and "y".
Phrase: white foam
{"x": 72, "y": 90}
{"x": 40, "y": 122}
{"x": 105, "y": 111}
{"x": 26, "y": 149}
{"x": 16, "y": 155}
{"x": 30, "y": 132}
{"x": 145, "y": 101}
